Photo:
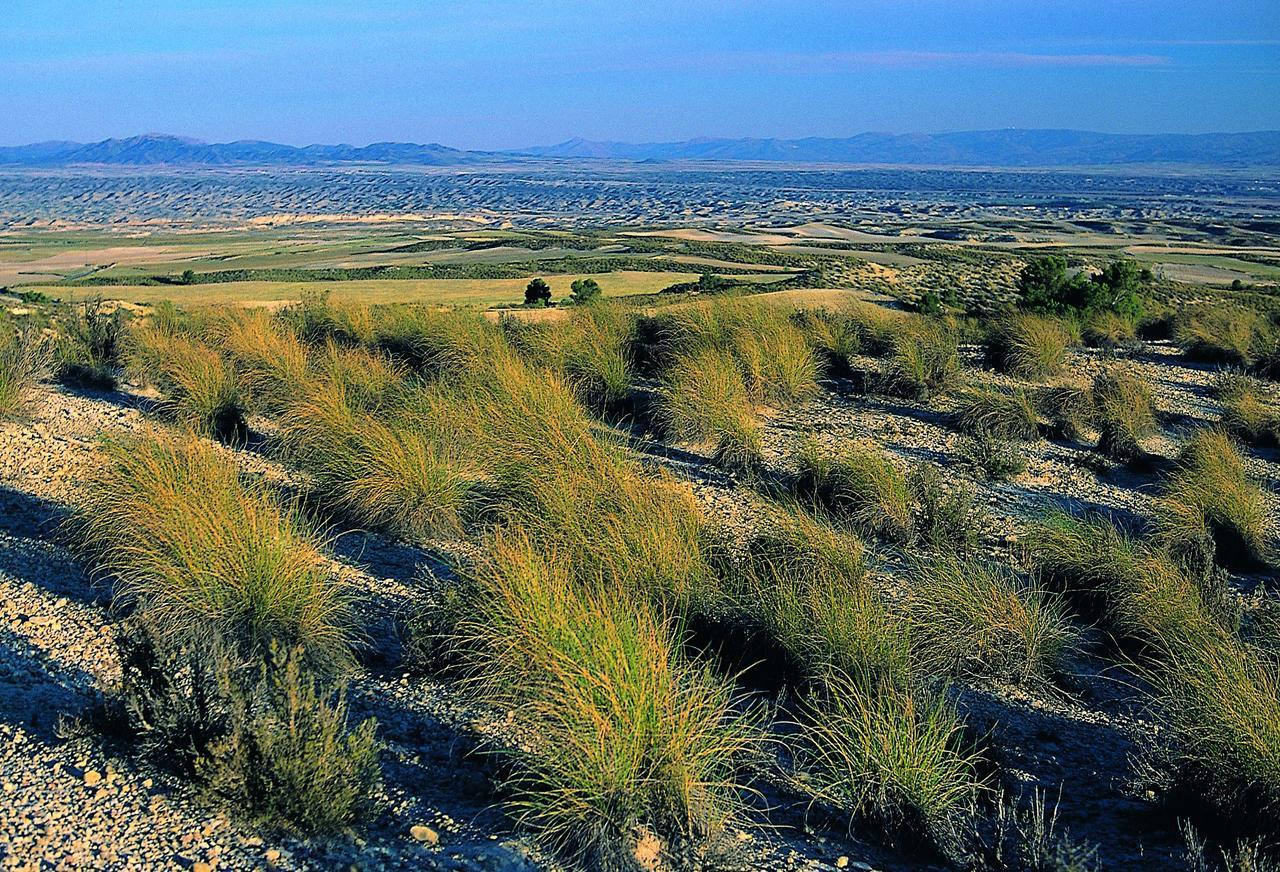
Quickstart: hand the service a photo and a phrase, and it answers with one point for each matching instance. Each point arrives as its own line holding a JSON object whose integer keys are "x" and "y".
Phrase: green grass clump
{"x": 403, "y": 476}
{"x": 942, "y": 518}
{"x": 704, "y": 401}
{"x": 24, "y": 361}
{"x": 315, "y": 319}
{"x": 861, "y": 484}
{"x": 1124, "y": 413}
{"x": 971, "y": 617}
{"x": 90, "y": 344}
{"x": 198, "y": 388}
{"x": 370, "y": 379}
{"x": 998, "y": 412}
{"x": 887, "y": 752}
{"x": 1069, "y": 409}
{"x": 434, "y": 342}
{"x": 1109, "y": 329}
{"x": 925, "y": 361}
{"x": 204, "y": 554}
{"x": 1029, "y": 346}
{"x": 836, "y": 337}
{"x": 1250, "y": 409}
{"x": 1219, "y": 333}
{"x": 1211, "y": 493}
{"x": 626, "y": 738}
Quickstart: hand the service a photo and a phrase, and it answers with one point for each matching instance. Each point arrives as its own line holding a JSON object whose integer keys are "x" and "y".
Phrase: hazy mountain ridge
{"x": 995, "y": 148}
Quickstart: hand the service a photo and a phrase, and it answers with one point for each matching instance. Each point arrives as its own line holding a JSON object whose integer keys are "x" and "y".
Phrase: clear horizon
{"x": 510, "y": 74}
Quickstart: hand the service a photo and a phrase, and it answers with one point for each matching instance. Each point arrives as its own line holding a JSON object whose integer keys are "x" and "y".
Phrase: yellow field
{"x": 480, "y": 293}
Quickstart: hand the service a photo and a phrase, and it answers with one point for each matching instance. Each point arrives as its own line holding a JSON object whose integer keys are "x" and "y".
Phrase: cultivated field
{"x": 922, "y": 543}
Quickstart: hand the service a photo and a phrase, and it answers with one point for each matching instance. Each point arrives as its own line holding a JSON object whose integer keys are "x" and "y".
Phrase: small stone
{"x": 201, "y": 867}
{"x": 842, "y": 862}
{"x": 92, "y": 777}
{"x": 424, "y": 834}
{"x": 272, "y": 855}
{"x": 147, "y": 783}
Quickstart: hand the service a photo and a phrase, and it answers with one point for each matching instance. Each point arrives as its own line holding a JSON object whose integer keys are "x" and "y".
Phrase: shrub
{"x": 972, "y": 617}
{"x": 992, "y": 458}
{"x": 859, "y": 483}
{"x": 1219, "y": 333}
{"x": 942, "y": 518}
{"x": 90, "y": 345}
{"x": 537, "y": 293}
{"x": 204, "y": 555}
{"x": 704, "y": 401}
{"x": 996, "y": 412}
{"x": 24, "y": 361}
{"x": 1212, "y": 493}
{"x": 925, "y": 361}
{"x": 271, "y": 738}
{"x": 892, "y": 754}
{"x": 1124, "y": 413}
{"x": 584, "y": 291}
{"x": 625, "y": 736}
{"x": 198, "y": 389}
{"x": 1028, "y": 346}
{"x": 406, "y": 476}
{"x": 1250, "y": 410}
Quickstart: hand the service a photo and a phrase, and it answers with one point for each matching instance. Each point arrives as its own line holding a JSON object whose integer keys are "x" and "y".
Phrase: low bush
{"x": 996, "y": 412}
{"x": 90, "y": 344}
{"x": 1250, "y": 409}
{"x": 1211, "y": 493}
{"x": 1124, "y": 413}
{"x": 991, "y": 458}
{"x": 891, "y": 754}
{"x": 205, "y": 555}
{"x": 971, "y": 617}
{"x": 626, "y": 739}
{"x": 198, "y": 389}
{"x": 942, "y": 518}
{"x": 24, "y": 361}
{"x": 1028, "y": 346}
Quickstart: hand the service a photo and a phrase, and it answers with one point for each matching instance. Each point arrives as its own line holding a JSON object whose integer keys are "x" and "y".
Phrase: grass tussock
{"x": 316, "y": 319}
{"x": 1250, "y": 409}
{"x": 997, "y": 412}
{"x": 971, "y": 617}
{"x": 24, "y": 361}
{"x": 1211, "y": 494}
{"x": 1110, "y": 330}
{"x": 705, "y": 402}
{"x": 892, "y": 754}
{"x": 434, "y": 342}
{"x": 270, "y": 363}
{"x": 991, "y": 458}
{"x": 198, "y": 388}
{"x": 1069, "y": 409}
{"x": 860, "y": 483}
{"x": 592, "y": 351}
{"x": 925, "y": 361}
{"x": 627, "y": 738}
{"x": 1028, "y": 346}
{"x": 1124, "y": 413}
{"x": 1219, "y": 333}
{"x": 204, "y": 554}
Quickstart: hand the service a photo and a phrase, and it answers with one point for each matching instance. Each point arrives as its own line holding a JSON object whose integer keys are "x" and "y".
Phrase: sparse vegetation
{"x": 198, "y": 389}
{"x": 1250, "y": 409}
{"x": 924, "y": 361}
{"x": 24, "y": 361}
{"x": 992, "y": 458}
{"x": 1124, "y": 413}
{"x": 1028, "y": 346}
{"x": 90, "y": 342}
{"x": 998, "y": 413}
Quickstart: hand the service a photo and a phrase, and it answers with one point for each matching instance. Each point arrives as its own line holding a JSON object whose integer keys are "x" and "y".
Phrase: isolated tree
{"x": 1043, "y": 282}
{"x": 537, "y": 293}
{"x": 188, "y": 277}
{"x": 584, "y": 291}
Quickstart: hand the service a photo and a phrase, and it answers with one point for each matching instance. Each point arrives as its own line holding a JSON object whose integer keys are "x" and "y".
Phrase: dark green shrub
{"x": 90, "y": 345}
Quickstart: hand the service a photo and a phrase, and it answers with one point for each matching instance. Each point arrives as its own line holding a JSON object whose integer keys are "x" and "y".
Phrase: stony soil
{"x": 72, "y": 799}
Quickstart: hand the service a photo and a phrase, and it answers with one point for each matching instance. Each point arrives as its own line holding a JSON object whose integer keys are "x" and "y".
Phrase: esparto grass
{"x": 1250, "y": 409}
{"x": 704, "y": 401}
{"x": 860, "y": 483}
{"x": 24, "y": 361}
{"x": 198, "y": 388}
{"x": 998, "y": 412}
{"x": 1029, "y": 346}
{"x": 1124, "y": 413}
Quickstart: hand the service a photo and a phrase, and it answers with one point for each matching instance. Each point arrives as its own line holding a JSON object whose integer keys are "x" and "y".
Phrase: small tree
{"x": 188, "y": 277}
{"x": 584, "y": 291}
{"x": 537, "y": 293}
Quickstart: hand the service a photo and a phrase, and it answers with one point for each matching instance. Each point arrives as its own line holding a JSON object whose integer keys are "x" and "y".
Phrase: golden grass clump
{"x": 1029, "y": 346}
{"x": 1124, "y": 413}
{"x": 591, "y": 350}
{"x": 270, "y": 363}
{"x": 860, "y": 483}
{"x": 971, "y": 617}
{"x": 1211, "y": 493}
{"x": 435, "y": 342}
{"x": 1250, "y": 408}
{"x": 24, "y": 361}
{"x": 1108, "y": 329}
{"x": 205, "y": 554}
{"x": 315, "y": 319}
{"x": 1219, "y": 333}
{"x": 404, "y": 476}
{"x": 998, "y": 412}
{"x": 625, "y": 738}
{"x": 198, "y": 388}
{"x": 1068, "y": 408}
{"x": 704, "y": 401}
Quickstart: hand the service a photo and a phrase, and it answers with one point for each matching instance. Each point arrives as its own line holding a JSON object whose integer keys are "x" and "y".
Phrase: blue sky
{"x": 507, "y": 73}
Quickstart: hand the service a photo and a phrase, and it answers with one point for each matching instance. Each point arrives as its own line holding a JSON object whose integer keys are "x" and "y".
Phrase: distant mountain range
{"x": 994, "y": 148}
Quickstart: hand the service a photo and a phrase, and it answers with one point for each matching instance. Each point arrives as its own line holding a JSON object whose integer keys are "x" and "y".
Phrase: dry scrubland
{"x": 770, "y": 581}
